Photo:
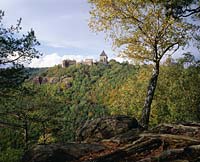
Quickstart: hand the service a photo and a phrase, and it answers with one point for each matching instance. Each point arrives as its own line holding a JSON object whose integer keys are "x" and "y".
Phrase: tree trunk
{"x": 149, "y": 97}
{"x": 26, "y": 135}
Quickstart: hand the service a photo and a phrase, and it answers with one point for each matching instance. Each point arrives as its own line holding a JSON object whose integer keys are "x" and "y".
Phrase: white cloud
{"x": 46, "y": 61}
{"x": 119, "y": 59}
{"x": 54, "y": 59}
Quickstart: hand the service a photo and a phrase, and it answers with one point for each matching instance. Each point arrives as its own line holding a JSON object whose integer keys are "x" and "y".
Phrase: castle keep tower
{"x": 103, "y": 58}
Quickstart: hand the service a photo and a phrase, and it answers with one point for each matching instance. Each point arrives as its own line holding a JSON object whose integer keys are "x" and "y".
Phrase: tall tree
{"x": 15, "y": 49}
{"x": 143, "y": 31}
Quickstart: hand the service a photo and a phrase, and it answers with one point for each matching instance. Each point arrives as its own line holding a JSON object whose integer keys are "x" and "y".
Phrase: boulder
{"x": 67, "y": 81}
{"x": 44, "y": 80}
{"x": 60, "y": 153}
{"x": 53, "y": 80}
{"x": 37, "y": 80}
{"x": 105, "y": 128}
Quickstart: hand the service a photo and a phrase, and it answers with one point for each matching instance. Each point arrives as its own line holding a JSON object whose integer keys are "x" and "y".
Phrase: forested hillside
{"x": 52, "y": 112}
{"x": 102, "y": 111}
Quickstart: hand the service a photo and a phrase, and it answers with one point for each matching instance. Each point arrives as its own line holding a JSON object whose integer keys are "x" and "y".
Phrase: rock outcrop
{"x": 66, "y": 80}
{"x": 105, "y": 128}
{"x": 60, "y": 153}
{"x": 124, "y": 143}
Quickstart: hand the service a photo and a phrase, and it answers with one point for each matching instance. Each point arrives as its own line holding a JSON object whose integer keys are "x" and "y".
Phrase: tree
{"x": 15, "y": 49}
{"x": 143, "y": 31}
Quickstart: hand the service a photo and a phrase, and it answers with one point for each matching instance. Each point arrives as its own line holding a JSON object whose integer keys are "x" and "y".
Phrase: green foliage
{"x": 177, "y": 100}
{"x": 120, "y": 89}
{"x": 11, "y": 155}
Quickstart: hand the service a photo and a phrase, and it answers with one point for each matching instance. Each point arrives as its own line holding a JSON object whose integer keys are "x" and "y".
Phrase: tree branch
{"x": 171, "y": 46}
{"x": 11, "y": 125}
{"x": 191, "y": 12}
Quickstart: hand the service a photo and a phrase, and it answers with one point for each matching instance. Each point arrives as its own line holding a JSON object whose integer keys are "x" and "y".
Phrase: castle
{"x": 103, "y": 60}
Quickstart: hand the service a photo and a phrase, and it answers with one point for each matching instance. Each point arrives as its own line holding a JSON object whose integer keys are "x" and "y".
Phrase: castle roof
{"x": 103, "y": 54}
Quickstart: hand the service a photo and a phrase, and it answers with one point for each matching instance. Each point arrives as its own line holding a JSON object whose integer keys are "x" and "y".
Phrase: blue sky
{"x": 61, "y": 27}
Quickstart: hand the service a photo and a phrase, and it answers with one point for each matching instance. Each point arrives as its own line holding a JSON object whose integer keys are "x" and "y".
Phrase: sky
{"x": 61, "y": 26}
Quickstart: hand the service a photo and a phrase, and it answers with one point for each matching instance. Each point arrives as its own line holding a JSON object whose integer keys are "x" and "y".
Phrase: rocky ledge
{"x": 120, "y": 139}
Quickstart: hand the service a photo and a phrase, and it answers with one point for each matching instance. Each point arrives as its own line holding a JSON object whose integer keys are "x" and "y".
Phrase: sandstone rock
{"x": 37, "y": 80}
{"x": 60, "y": 153}
{"x": 105, "y": 128}
{"x": 44, "y": 80}
{"x": 127, "y": 137}
{"x": 53, "y": 80}
{"x": 67, "y": 81}
{"x": 189, "y": 129}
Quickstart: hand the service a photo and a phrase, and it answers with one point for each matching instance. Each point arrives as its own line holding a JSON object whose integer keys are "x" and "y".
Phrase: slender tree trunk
{"x": 26, "y": 135}
{"x": 149, "y": 97}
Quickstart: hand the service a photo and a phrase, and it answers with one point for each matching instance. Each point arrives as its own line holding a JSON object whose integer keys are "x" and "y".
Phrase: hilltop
{"x": 119, "y": 88}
